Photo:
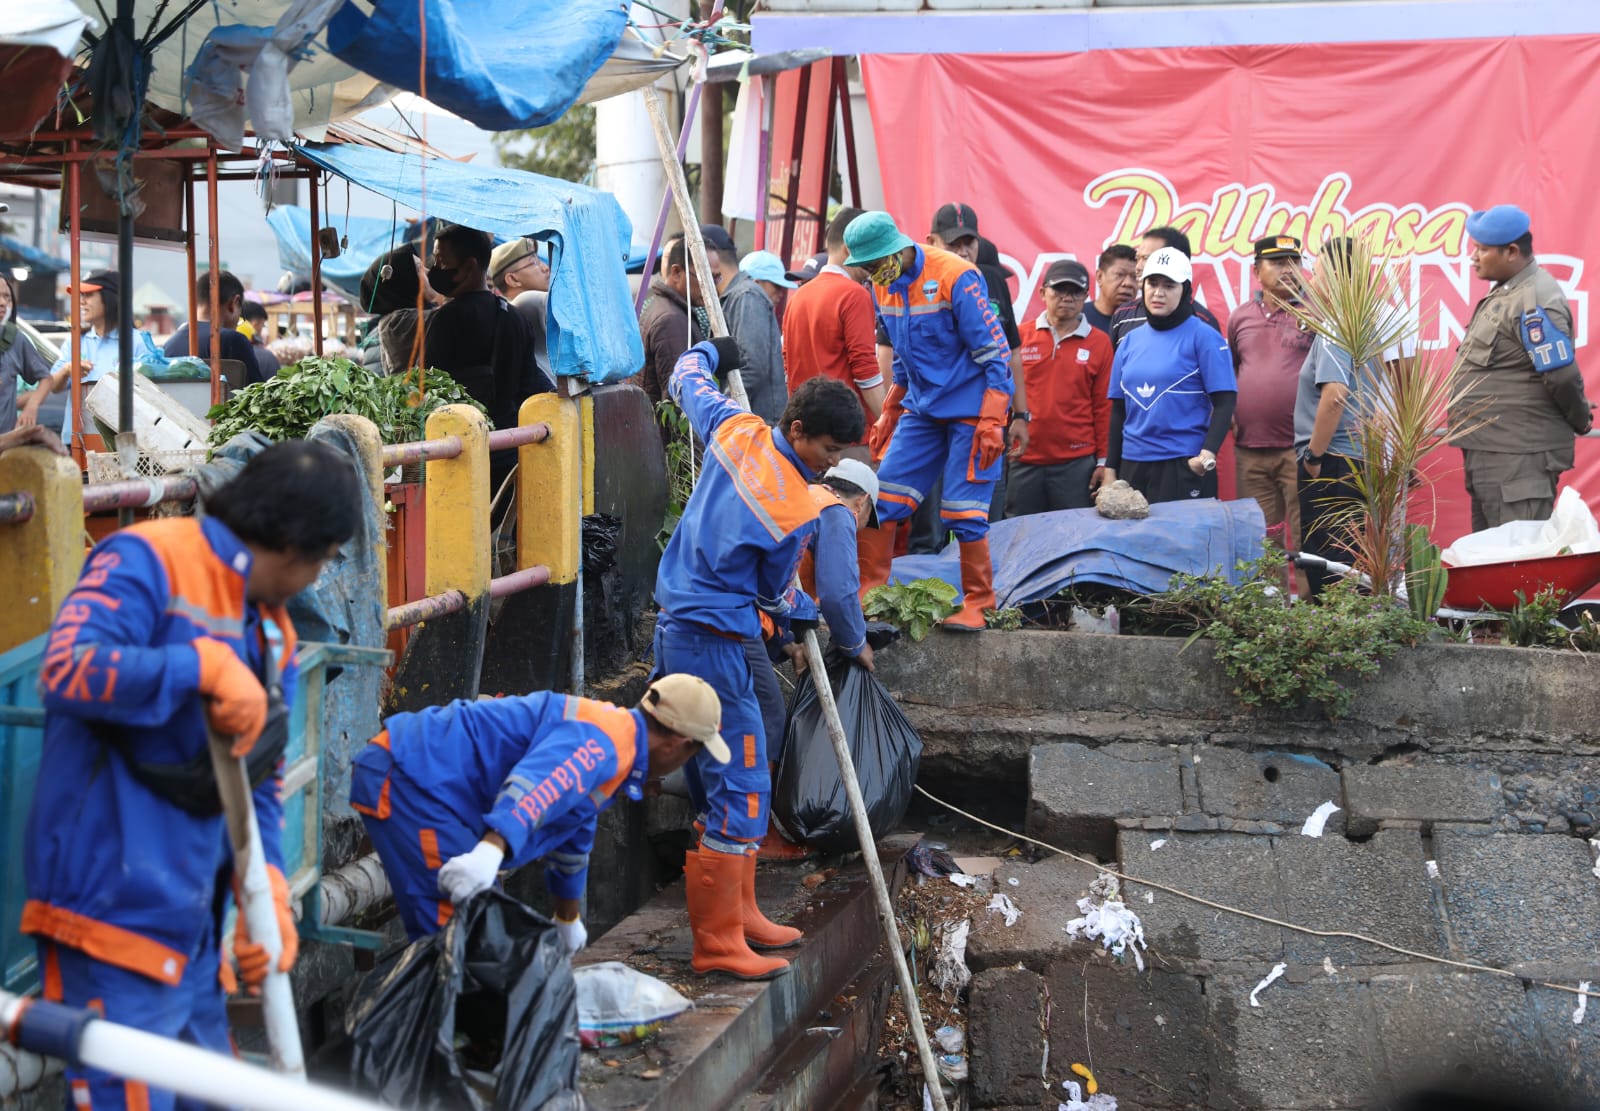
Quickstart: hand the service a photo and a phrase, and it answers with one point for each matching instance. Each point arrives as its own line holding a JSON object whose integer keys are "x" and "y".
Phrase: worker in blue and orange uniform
{"x": 949, "y": 407}
{"x": 452, "y": 794}
{"x": 734, "y": 553}
{"x": 174, "y": 627}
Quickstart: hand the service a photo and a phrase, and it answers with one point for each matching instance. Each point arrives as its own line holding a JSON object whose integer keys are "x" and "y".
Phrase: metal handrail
{"x": 138, "y": 493}
{"x": 522, "y": 434}
{"x": 449, "y": 447}
{"x": 454, "y": 601}
{"x": 16, "y": 509}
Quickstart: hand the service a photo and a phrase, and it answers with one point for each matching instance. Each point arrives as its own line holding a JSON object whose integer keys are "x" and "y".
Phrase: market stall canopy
{"x": 14, "y": 252}
{"x": 592, "y": 331}
{"x": 503, "y": 65}
{"x": 366, "y": 237}
{"x": 38, "y": 42}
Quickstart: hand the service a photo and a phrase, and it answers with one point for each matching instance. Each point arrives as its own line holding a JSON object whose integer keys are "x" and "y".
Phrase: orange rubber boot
{"x": 977, "y": 588}
{"x": 759, "y": 930}
{"x": 713, "y": 888}
{"x": 874, "y": 554}
{"x": 778, "y": 849}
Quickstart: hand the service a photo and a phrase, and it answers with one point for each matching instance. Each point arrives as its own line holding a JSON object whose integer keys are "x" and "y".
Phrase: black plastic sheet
{"x": 482, "y": 1015}
{"x": 808, "y": 796}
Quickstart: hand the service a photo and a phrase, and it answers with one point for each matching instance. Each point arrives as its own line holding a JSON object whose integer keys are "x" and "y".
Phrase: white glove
{"x": 573, "y": 935}
{"x": 464, "y": 876}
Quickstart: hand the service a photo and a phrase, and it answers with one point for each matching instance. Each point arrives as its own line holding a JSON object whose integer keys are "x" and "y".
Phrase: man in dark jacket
{"x": 666, "y": 325}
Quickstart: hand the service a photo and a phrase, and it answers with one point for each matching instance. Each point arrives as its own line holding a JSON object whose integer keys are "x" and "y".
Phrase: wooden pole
{"x": 692, "y": 239}
{"x": 75, "y": 346}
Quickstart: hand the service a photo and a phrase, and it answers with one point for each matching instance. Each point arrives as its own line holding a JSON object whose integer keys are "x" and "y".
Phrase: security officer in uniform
{"x": 1519, "y": 368}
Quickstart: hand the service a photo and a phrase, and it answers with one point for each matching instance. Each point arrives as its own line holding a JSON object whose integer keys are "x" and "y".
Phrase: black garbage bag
{"x": 808, "y": 796}
{"x": 601, "y": 531}
{"x": 482, "y": 1015}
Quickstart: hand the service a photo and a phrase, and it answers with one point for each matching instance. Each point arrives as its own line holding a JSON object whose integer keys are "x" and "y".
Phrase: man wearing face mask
{"x": 479, "y": 339}
{"x": 948, "y": 409}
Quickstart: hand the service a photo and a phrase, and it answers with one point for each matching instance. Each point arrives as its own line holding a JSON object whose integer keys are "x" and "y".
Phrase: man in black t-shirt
{"x": 230, "y": 300}
{"x": 478, "y": 339}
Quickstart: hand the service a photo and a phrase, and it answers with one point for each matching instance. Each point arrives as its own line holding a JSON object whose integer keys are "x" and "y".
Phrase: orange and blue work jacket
{"x": 538, "y": 769}
{"x": 113, "y": 869}
{"x": 741, "y": 534}
{"x": 949, "y": 346}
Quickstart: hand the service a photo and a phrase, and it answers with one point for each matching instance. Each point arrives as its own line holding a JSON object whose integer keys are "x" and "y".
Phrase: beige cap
{"x": 507, "y": 255}
{"x": 686, "y": 704}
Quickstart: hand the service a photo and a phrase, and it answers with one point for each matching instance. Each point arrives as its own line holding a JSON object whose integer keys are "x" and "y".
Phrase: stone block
{"x": 1427, "y": 793}
{"x": 1076, "y": 793}
{"x": 1514, "y": 897}
{"x": 1138, "y": 1027}
{"x": 1047, "y": 893}
{"x": 1379, "y": 888}
{"x": 1570, "y": 1059}
{"x": 1449, "y": 1028}
{"x": 1311, "y": 1045}
{"x": 1005, "y": 1037}
{"x": 1266, "y": 786}
{"x": 1229, "y": 868}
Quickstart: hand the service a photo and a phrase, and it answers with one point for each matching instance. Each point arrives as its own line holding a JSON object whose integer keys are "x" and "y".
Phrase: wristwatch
{"x": 1312, "y": 460}
{"x": 1022, "y": 415}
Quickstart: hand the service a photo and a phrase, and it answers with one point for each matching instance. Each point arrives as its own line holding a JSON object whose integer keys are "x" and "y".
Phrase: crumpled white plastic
{"x": 1002, "y": 903}
{"x": 1109, "y": 921}
{"x": 1583, "y": 1003}
{"x": 1571, "y": 529}
{"x": 1277, "y": 970}
{"x": 1318, "y": 819}
{"x": 950, "y": 971}
{"x": 1075, "y": 1101}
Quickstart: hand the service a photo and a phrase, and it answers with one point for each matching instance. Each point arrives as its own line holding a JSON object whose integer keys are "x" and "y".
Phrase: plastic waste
{"x": 1107, "y": 919}
{"x": 1319, "y": 819}
{"x": 1277, "y": 971}
{"x": 951, "y": 1039}
{"x": 482, "y": 1015}
{"x": 1002, "y": 903}
{"x": 600, "y": 534}
{"x": 618, "y": 1005}
{"x": 808, "y": 796}
{"x": 1571, "y": 530}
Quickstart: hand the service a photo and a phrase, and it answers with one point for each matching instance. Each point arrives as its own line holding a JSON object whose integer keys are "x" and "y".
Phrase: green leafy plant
{"x": 1006, "y": 619}
{"x": 285, "y": 406}
{"x": 1532, "y": 621}
{"x": 1586, "y": 637}
{"x": 681, "y": 470}
{"x": 1426, "y": 576}
{"x": 1282, "y": 655}
{"x": 916, "y": 607}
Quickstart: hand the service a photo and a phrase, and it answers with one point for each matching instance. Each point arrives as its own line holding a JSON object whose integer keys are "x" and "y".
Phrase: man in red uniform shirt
{"x": 1068, "y": 367}
{"x": 1269, "y": 347}
{"x": 828, "y": 327}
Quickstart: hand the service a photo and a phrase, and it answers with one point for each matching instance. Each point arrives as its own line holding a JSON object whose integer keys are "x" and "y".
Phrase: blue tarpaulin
{"x": 592, "y": 332}
{"x": 1037, "y": 556}
{"x": 501, "y": 65}
{"x": 369, "y": 237}
{"x": 32, "y": 257}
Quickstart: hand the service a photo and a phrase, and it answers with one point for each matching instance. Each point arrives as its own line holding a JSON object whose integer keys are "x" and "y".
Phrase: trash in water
{"x": 1314, "y": 824}
{"x": 1277, "y": 970}
{"x": 951, "y": 1039}
{"x": 1583, "y": 1003}
{"x": 950, "y": 971}
{"x": 1005, "y": 906}
{"x": 1109, "y": 920}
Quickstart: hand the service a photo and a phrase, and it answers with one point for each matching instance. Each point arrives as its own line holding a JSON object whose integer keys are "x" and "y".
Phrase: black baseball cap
{"x": 107, "y": 283}
{"x": 718, "y": 239}
{"x": 809, "y": 269}
{"x": 955, "y": 222}
{"x": 1067, "y": 271}
{"x": 1277, "y": 246}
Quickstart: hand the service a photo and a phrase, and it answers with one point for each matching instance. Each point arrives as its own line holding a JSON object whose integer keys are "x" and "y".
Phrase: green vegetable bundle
{"x": 285, "y": 406}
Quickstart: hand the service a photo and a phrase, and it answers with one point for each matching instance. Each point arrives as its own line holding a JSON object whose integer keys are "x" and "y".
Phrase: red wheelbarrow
{"x": 1495, "y": 585}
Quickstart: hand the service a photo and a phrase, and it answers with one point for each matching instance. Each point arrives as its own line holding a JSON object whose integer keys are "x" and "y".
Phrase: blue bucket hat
{"x": 764, "y": 266}
{"x": 872, "y": 236}
{"x": 1497, "y": 226}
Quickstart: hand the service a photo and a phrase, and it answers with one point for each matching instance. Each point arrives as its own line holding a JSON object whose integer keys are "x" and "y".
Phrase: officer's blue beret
{"x": 1497, "y": 226}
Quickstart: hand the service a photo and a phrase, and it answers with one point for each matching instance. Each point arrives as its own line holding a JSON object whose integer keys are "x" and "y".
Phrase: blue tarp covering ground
{"x": 500, "y": 65}
{"x": 369, "y": 237}
{"x": 1038, "y": 556}
{"x": 592, "y": 332}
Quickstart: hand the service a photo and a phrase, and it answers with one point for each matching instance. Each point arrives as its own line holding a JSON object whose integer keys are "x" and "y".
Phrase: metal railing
{"x": 454, "y": 601}
{"x": 16, "y": 509}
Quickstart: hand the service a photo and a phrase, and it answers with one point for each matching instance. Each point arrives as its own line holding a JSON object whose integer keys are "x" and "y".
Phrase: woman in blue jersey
{"x": 1172, "y": 391}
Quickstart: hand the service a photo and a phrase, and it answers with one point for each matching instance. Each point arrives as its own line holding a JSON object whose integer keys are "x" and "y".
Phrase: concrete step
{"x": 749, "y": 1040}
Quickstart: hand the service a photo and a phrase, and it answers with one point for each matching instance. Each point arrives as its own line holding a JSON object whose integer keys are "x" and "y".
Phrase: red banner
{"x": 1064, "y": 154}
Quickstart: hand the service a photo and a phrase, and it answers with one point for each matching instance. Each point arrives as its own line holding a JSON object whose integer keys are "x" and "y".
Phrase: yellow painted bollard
{"x": 457, "y": 499}
{"x": 41, "y": 557}
{"x": 549, "y": 489}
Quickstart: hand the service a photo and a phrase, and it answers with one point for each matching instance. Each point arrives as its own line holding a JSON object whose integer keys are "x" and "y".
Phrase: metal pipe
{"x": 215, "y": 260}
{"x": 769, "y": 90}
{"x": 75, "y": 230}
{"x": 316, "y": 272}
{"x": 847, "y": 121}
{"x": 138, "y": 493}
{"x": 419, "y": 451}
{"x": 666, "y": 202}
{"x": 352, "y": 891}
{"x": 426, "y": 609}
{"x": 194, "y": 296}
{"x": 503, "y": 438}
{"x": 518, "y": 581}
{"x": 158, "y": 1062}
{"x": 16, "y": 509}
{"x": 791, "y": 199}
{"x": 125, "y": 371}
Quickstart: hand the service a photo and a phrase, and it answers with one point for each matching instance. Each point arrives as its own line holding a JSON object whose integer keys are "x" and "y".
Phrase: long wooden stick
{"x": 678, "y": 185}
{"x": 255, "y": 903}
{"x": 869, "y": 854}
